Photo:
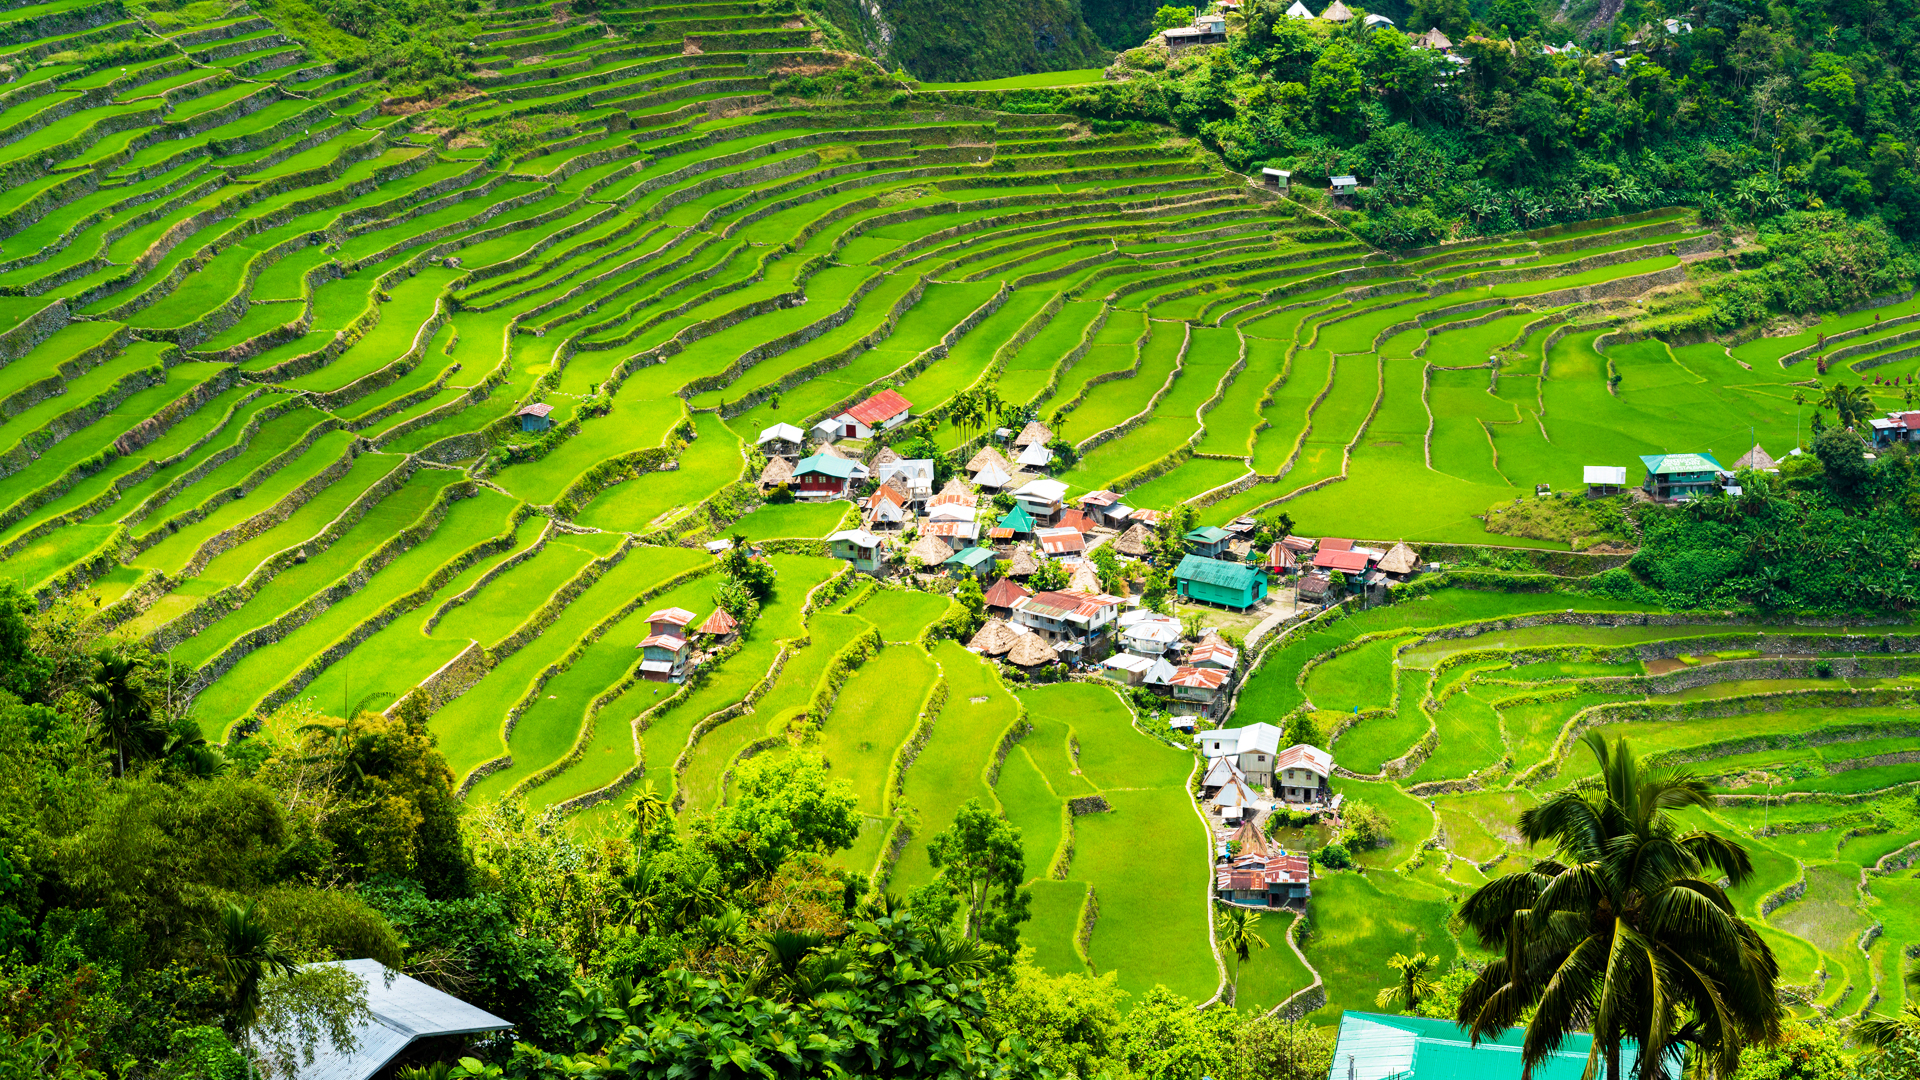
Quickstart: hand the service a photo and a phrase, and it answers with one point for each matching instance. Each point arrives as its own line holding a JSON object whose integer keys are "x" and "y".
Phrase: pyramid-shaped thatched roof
{"x": 1251, "y": 840}
{"x": 996, "y": 638}
{"x": 988, "y": 456}
{"x": 1134, "y": 541}
{"x": 959, "y": 487}
{"x": 1034, "y": 434}
{"x": 1755, "y": 458}
{"x": 1024, "y": 562}
{"x": 1084, "y": 578}
{"x": 930, "y": 550}
{"x": 887, "y": 456}
{"x": 1030, "y": 651}
{"x": 778, "y": 471}
{"x": 1399, "y": 559}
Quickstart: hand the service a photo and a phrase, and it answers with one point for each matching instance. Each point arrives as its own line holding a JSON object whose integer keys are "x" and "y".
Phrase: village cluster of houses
{"x": 1249, "y": 775}
{"x": 907, "y": 526}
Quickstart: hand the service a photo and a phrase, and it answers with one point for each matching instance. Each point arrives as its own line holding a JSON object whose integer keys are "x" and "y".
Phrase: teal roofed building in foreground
{"x": 1376, "y": 1046}
{"x": 1216, "y": 581}
{"x": 1680, "y": 476}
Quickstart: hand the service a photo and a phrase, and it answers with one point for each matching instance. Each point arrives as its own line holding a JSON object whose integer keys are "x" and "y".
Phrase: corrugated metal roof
{"x": 404, "y": 1009}
{"x": 1658, "y": 464}
{"x": 827, "y": 465}
{"x": 1227, "y": 575}
{"x": 1375, "y": 1046}
{"x": 876, "y": 409}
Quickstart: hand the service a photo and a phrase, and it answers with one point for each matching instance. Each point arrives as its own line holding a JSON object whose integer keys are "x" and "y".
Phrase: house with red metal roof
{"x": 1258, "y": 874}
{"x": 1073, "y": 621}
{"x": 881, "y": 412}
{"x": 719, "y": 625}
{"x": 1301, "y": 772}
{"x": 666, "y": 650}
{"x": 1003, "y": 594}
{"x": 1061, "y": 542}
{"x": 1896, "y": 427}
{"x": 1345, "y": 560}
{"x": 1199, "y": 685}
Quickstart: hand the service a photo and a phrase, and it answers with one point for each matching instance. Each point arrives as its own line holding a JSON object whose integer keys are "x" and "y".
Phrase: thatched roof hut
{"x": 960, "y": 490}
{"x": 995, "y": 638}
{"x": 1084, "y": 579}
{"x": 1024, "y": 562}
{"x": 1134, "y": 542}
{"x": 1034, "y": 434}
{"x": 989, "y": 457}
{"x": 1400, "y": 559}
{"x": 930, "y": 550}
{"x": 778, "y": 471}
{"x": 1030, "y": 651}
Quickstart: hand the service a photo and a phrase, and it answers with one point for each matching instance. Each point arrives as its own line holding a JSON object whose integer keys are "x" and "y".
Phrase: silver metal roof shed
{"x": 404, "y": 1009}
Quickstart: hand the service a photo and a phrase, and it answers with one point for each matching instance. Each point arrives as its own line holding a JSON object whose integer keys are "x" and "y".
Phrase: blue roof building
{"x": 1377, "y": 1046}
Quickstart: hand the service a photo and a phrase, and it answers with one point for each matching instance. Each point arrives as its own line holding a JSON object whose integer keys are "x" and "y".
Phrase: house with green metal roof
{"x": 1018, "y": 520}
{"x": 978, "y": 561}
{"x": 1377, "y": 1046}
{"x": 1208, "y": 540}
{"x": 1680, "y": 476}
{"x": 1216, "y": 581}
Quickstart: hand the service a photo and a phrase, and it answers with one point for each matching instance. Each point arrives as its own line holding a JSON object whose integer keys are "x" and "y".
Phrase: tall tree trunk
{"x": 1613, "y": 1055}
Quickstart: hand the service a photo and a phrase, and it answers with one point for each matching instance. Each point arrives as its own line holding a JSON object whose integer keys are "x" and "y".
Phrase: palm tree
{"x": 1624, "y": 931}
{"x": 126, "y": 716}
{"x": 1239, "y": 934}
{"x": 1883, "y": 1032}
{"x": 649, "y": 810}
{"x": 1850, "y": 404}
{"x": 244, "y": 952}
{"x": 1413, "y": 984}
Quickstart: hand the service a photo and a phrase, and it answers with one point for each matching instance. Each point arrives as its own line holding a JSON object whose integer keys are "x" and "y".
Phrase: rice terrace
{"x": 677, "y": 399}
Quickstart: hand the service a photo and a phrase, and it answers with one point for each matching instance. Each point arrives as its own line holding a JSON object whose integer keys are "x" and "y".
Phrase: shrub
{"x": 1366, "y": 826}
{"x": 1334, "y": 856}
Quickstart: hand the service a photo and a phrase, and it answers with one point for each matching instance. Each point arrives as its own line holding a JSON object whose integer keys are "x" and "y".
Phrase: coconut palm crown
{"x": 1624, "y": 931}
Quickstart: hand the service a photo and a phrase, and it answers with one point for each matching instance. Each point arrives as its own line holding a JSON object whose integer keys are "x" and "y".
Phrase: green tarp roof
{"x": 1017, "y": 519}
{"x": 1209, "y": 534}
{"x": 1227, "y": 575}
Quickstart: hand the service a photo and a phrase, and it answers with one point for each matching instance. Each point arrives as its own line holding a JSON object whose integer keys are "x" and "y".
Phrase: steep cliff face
{"x": 961, "y": 40}
{"x": 1120, "y": 24}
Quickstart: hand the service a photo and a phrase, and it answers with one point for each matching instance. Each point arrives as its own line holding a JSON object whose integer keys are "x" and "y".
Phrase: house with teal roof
{"x": 1018, "y": 520}
{"x": 1217, "y": 581}
{"x": 1208, "y": 540}
{"x": 978, "y": 561}
{"x": 1377, "y": 1046}
{"x": 1680, "y": 476}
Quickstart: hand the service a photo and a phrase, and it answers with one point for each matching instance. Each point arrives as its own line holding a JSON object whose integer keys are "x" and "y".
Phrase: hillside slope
{"x": 944, "y": 41}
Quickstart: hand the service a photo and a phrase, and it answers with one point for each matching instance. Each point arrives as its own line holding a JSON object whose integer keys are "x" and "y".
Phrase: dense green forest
{"x": 1747, "y": 110}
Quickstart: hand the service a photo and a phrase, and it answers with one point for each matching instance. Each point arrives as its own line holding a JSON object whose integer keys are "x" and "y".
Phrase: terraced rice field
{"x": 263, "y": 348}
{"x": 1814, "y": 775}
